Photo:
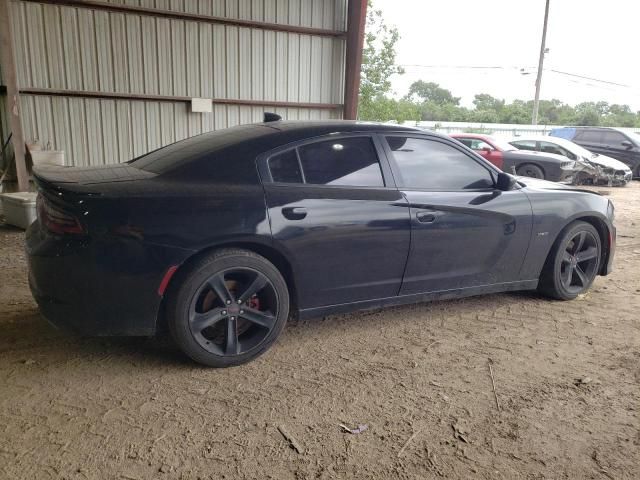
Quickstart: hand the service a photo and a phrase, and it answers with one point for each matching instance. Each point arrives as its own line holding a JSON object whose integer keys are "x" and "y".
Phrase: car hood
{"x": 539, "y": 184}
{"x": 609, "y": 162}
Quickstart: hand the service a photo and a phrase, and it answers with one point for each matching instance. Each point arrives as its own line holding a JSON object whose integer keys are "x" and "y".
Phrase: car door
{"x": 464, "y": 231}
{"x": 617, "y": 146}
{"x": 592, "y": 139}
{"x": 334, "y": 209}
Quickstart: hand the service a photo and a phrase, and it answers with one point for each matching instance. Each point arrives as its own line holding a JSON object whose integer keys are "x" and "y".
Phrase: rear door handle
{"x": 294, "y": 213}
{"x": 425, "y": 217}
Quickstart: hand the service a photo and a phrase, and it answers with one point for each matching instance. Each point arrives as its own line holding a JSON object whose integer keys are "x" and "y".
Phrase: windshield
{"x": 635, "y": 138}
{"x": 501, "y": 144}
{"x": 578, "y": 150}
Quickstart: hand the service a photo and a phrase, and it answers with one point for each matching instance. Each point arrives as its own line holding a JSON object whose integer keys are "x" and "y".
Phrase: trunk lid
{"x": 84, "y": 178}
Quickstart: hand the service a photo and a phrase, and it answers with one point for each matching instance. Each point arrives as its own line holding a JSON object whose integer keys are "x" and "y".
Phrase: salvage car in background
{"x": 545, "y": 166}
{"x": 222, "y": 235}
{"x": 611, "y": 142}
{"x": 610, "y": 170}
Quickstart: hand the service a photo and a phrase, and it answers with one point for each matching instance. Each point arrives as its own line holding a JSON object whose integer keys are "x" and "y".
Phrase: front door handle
{"x": 425, "y": 217}
{"x": 294, "y": 213}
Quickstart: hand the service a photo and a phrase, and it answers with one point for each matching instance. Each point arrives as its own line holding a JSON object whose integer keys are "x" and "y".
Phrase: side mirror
{"x": 505, "y": 182}
{"x": 627, "y": 144}
{"x": 487, "y": 150}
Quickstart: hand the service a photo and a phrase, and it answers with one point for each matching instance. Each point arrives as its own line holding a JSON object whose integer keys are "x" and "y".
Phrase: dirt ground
{"x": 567, "y": 378}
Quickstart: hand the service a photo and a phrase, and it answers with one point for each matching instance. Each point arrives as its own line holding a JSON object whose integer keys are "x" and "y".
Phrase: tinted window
{"x": 613, "y": 138}
{"x": 343, "y": 161}
{"x": 207, "y": 144}
{"x": 589, "y": 136}
{"x": 551, "y": 148}
{"x": 475, "y": 143}
{"x": 480, "y": 145}
{"x": 525, "y": 145}
{"x": 285, "y": 167}
{"x": 467, "y": 142}
{"x": 434, "y": 165}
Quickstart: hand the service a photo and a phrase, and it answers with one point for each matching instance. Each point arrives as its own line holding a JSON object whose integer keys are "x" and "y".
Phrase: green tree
{"x": 516, "y": 112}
{"x": 484, "y": 101}
{"x": 431, "y": 92}
{"x": 378, "y": 64}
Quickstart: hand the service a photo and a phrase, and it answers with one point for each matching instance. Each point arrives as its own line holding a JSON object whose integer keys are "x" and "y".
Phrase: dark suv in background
{"x": 611, "y": 142}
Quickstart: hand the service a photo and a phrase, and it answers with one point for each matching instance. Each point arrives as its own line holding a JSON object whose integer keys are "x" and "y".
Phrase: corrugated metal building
{"x": 108, "y": 81}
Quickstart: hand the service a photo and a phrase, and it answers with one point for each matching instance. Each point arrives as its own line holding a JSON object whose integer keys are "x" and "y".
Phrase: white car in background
{"x": 610, "y": 170}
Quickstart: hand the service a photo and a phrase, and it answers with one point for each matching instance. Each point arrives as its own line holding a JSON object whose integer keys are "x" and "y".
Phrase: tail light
{"x": 57, "y": 220}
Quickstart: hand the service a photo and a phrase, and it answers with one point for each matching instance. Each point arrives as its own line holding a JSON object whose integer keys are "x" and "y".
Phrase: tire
{"x": 530, "y": 170}
{"x": 213, "y": 301}
{"x": 572, "y": 264}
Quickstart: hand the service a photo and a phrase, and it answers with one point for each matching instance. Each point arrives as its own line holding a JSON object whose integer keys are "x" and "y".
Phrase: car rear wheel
{"x": 573, "y": 263}
{"x": 228, "y": 308}
{"x": 529, "y": 170}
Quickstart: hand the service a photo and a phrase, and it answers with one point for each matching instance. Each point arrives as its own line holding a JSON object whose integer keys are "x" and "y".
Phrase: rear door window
{"x": 285, "y": 167}
{"x": 350, "y": 161}
{"x": 589, "y": 136}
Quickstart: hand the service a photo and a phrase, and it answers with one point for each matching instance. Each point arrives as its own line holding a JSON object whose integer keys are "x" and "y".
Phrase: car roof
{"x": 545, "y": 138}
{"x": 337, "y": 125}
{"x": 254, "y": 139}
{"x": 538, "y": 138}
{"x": 286, "y": 131}
{"x": 479, "y": 136}
{"x": 594, "y": 128}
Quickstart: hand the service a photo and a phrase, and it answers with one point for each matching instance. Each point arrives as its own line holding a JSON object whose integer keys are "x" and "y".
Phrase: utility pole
{"x": 536, "y": 101}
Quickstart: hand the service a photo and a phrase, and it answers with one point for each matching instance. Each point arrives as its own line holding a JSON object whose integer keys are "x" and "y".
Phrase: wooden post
{"x": 356, "y": 22}
{"x": 7, "y": 57}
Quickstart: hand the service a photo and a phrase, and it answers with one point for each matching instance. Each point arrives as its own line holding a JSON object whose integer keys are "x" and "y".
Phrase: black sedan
{"x": 222, "y": 236}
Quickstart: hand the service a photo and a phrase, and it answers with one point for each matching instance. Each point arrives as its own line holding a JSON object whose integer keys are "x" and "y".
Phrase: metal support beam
{"x": 8, "y": 60}
{"x": 356, "y": 22}
{"x": 56, "y": 92}
{"x": 196, "y": 17}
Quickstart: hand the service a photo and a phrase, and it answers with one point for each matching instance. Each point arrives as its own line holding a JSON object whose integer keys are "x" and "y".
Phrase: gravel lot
{"x": 567, "y": 378}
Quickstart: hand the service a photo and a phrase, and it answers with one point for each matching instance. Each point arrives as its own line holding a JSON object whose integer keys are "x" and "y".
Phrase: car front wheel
{"x": 573, "y": 263}
{"x": 532, "y": 171}
{"x": 227, "y": 308}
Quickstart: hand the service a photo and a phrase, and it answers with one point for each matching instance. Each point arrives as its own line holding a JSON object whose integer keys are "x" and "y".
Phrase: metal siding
{"x": 62, "y": 47}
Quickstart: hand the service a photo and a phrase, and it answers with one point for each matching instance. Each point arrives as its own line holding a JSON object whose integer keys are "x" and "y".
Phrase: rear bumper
{"x": 104, "y": 287}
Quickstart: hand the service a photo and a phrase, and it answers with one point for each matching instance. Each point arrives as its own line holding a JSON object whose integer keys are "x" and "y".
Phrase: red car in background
{"x": 489, "y": 147}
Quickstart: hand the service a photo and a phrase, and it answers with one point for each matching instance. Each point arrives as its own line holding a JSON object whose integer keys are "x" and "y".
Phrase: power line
{"x": 497, "y": 67}
{"x": 590, "y": 78}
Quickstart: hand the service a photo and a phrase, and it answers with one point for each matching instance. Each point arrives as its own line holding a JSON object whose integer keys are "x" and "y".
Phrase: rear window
{"x": 182, "y": 152}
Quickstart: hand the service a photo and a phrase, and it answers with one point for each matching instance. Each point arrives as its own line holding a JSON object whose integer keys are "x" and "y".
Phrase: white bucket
{"x": 19, "y": 208}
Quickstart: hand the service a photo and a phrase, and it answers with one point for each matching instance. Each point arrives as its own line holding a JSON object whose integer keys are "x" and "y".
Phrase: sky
{"x": 591, "y": 38}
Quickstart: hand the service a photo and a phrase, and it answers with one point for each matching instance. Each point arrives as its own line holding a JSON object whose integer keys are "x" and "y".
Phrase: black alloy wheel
{"x": 233, "y": 311}
{"x": 579, "y": 262}
{"x": 573, "y": 263}
{"x": 531, "y": 171}
{"x": 227, "y": 308}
